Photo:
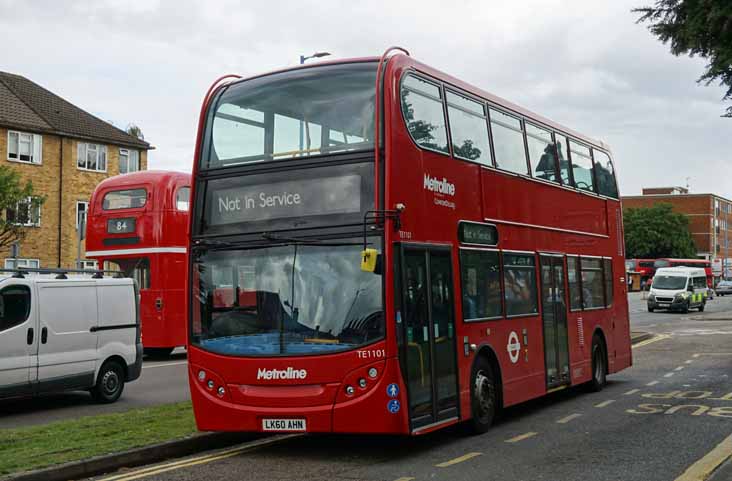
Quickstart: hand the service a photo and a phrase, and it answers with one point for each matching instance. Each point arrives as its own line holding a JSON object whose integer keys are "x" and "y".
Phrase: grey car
{"x": 723, "y": 288}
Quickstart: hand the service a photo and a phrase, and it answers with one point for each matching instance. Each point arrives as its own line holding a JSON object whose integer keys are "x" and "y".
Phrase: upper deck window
{"x": 468, "y": 128}
{"x": 299, "y": 113}
{"x": 508, "y": 142}
{"x": 582, "y": 167}
{"x": 542, "y": 153}
{"x": 182, "y": 198}
{"x": 124, "y": 199}
{"x": 605, "y": 174}
{"x": 424, "y": 114}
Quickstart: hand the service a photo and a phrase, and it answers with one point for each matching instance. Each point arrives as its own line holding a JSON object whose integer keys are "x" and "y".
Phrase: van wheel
{"x": 110, "y": 383}
{"x": 701, "y": 307}
{"x": 686, "y": 308}
{"x": 483, "y": 395}
{"x": 158, "y": 352}
{"x": 599, "y": 370}
{"x": 650, "y": 309}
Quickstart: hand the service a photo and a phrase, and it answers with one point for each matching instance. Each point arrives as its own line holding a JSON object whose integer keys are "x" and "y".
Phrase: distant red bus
{"x": 703, "y": 263}
{"x": 473, "y": 261}
{"x": 644, "y": 266}
{"x": 137, "y": 224}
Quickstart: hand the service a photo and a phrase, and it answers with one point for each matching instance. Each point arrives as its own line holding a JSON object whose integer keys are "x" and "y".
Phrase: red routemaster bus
{"x": 422, "y": 254}
{"x": 703, "y": 263}
{"x": 137, "y": 223}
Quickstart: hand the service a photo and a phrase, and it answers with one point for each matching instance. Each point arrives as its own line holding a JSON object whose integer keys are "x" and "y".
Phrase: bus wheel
{"x": 158, "y": 352}
{"x": 110, "y": 383}
{"x": 599, "y": 376}
{"x": 483, "y": 396}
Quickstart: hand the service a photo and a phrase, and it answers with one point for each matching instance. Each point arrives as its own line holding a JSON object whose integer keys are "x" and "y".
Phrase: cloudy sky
{"x": 583, "y": 63}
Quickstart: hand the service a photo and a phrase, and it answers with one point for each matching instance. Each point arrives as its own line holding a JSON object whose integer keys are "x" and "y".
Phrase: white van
{"x": 76, "y": 333}
{"x": 678, "y": 289}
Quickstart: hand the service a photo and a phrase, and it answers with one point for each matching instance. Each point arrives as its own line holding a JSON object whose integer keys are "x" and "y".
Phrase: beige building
{"x": 65, "y": 152}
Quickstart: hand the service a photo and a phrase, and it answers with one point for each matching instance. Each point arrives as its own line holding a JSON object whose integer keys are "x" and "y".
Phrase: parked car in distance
{"x": 723, "y": 288}
{"x": 678, "y": 289}
{"x": 61, "y": 333}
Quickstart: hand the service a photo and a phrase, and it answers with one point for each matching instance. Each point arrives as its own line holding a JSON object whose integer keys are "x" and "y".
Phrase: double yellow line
{"x": 185, "y": 463}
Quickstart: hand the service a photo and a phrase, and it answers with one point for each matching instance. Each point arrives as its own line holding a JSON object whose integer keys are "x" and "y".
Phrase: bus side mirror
{"x": 371, "y": 261}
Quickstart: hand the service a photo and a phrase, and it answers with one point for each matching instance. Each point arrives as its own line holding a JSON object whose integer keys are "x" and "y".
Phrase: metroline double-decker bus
{"x": 137, "y": 223}
{"x": 402, "y": 251}
{"x": 674, "y": 262}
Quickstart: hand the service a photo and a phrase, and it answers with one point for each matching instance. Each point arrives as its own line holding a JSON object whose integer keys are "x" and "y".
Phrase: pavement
{"x": 669, "y": 417}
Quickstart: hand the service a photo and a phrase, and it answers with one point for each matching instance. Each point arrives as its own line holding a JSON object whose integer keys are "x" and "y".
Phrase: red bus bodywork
{"x": 703, "y": 263}
{"x": 157, "y": 245}
{"x": 644, "y": 266}
{"x": 532, "y": 216}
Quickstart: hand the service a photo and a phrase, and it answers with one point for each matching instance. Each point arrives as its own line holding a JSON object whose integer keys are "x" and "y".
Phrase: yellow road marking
{"x": 567, "y": 419}
{"x": 632, "y": 391}
{"x": 688, "y": 361}
{"x": 679, "y": 368}
{"x": 668, "y": 375}
{"x": 696, "y": 355}
{"x": 521, "y": 437}
{"x": 703, "y": 468}
{"x": 404, "y": 478}
{"x": 713, "y": 354}
{"x": 459, "y": 459}
{"x": 652, "y": 383}
{"x": 227, "y": 453}
{"x": 656, "y": 338}
{"x": 605, "y": 403}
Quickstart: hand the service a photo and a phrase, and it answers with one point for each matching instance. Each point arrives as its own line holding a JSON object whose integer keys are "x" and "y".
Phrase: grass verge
{"x": 35, "y": 447}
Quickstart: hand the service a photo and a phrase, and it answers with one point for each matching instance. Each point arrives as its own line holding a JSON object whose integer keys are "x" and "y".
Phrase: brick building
{"x": 65, "y": 152}
{"x": 709, "y": 217}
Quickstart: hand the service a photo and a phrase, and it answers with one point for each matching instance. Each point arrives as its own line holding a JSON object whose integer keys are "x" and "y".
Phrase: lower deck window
{"x": 481, "y": 281}
{"x": 137, "y": 267}
{"x": 519, "y": 278}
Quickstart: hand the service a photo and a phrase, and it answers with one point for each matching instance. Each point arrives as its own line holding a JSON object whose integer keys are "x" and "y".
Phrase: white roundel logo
{"x": 513, "y": 347}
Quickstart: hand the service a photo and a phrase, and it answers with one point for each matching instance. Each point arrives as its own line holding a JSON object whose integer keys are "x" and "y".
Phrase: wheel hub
{"x": 483, "y": 394}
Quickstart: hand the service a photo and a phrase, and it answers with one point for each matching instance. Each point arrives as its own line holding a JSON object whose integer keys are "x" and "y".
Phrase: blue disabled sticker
{"x": 393, "y": 406}
{"x": 392, "y": 390}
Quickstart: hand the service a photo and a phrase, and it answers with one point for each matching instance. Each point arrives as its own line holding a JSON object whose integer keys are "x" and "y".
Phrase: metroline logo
{"x": 289, "y": 373}
{"x": 436, "y": 185}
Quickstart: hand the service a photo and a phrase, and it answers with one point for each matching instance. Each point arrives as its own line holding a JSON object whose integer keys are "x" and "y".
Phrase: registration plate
{"x": 663, "y": 304}
{"x": 283, "y": 425}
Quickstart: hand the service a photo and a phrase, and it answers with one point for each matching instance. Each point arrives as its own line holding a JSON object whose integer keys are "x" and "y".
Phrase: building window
{"x": 519, "y": 280}
{"x": 182, "y": 198}
{"x": 27, "y": 212}
{"x": 88, "y": 265}
{"x": 91, "y": 157}
{"x": 129, "y": 161}
{"x": 481, "y": 279}
{"x": 22, "y": 263}
{"x": 24, "y": 147}
{"x": 82, "y": 208}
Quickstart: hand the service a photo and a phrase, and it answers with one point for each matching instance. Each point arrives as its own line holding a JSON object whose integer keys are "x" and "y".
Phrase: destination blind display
{"x": 296, "y": 198}
{"x": 475, "y": 233}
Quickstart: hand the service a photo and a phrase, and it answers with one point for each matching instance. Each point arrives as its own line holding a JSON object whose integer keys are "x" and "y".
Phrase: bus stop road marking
{"x": 605, "y": 403}
{"x": 656, "y": 338}
{"x": 227, "y": 453}
{"x": 567, "y": 419}
{"x": 176, "y": 363}
{"x": 521, "y": 437}
{"x": 702, "y": 469}
{"x": 459, "y": 459}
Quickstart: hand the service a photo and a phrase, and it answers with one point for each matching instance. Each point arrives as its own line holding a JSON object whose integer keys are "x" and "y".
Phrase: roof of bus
{"x": 453, "y": 81}
{"x": 145, "y": 176}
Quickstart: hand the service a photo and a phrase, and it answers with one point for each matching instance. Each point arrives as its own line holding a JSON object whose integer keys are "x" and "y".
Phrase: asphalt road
{"x": 652, "y": 422}
{"x": 161, "y": 382}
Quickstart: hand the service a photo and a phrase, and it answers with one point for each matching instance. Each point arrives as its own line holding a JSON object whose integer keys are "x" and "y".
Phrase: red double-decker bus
{"x": 137, "y": 223}
{"x": 379, "y": 247}
{"x": 674, "y": 262}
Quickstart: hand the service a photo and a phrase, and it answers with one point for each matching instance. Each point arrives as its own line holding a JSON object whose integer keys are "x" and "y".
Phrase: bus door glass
{"x": 554, "y": 316}
{"x": 429, "y": 323}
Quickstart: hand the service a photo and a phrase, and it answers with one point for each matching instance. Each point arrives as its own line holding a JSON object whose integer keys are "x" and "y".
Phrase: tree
{"x": 696, "y": 28}
{"x": 658, "y": 231}
{"x": 14, "y": 206}
{"x": 135, "y": 131}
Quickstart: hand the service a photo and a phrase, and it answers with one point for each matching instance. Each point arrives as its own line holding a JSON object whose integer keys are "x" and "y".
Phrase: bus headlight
{"x": 201, "y": 375}
{"x": 373, "y": 373}
{"x": 362, "y": 383}
{"x": 210, "y": 384}
{"x": 350, "y": 390}
{"x": 221, "y": 391}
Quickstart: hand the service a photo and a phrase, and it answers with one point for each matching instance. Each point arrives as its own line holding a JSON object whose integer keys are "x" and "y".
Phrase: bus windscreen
{"x": 292, "y": 114}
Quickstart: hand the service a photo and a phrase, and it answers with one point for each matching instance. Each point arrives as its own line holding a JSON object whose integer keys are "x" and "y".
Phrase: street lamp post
{"x": 302, "y": 61}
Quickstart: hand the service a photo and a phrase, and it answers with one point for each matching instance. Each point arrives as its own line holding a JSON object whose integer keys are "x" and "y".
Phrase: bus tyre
{"x": 110, "y": 383}
{"x": 158, "y": 352}
{"x": 599, "y": 369}
{"x": 483, "y": 395}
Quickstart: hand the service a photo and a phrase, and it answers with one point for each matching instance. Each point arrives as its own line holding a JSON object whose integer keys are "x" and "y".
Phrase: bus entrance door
{"x": 554, "y": 316}
{"x": 429, "y": 334}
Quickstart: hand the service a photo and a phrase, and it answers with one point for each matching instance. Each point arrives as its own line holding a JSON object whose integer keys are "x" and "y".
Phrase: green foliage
{"x": 135, "y": 131}
{"x": 12, "y": 191}
{"x": 658, "y": 231}
{"x": 696, "y": 28}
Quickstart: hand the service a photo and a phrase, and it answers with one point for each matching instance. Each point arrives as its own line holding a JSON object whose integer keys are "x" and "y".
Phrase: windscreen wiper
{"x": 310, "y": 241}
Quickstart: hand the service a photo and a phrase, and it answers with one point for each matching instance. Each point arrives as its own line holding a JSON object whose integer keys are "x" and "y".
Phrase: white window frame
{"x": 86, "y": 264}
{"x": 129, "y": 154}
{"x": 82, "y": 155}
{"x": 86, "y": 211}
{"x": 30, "y": 223}
{"x": 35, "y": 147}
{"x": 9, "y": 263}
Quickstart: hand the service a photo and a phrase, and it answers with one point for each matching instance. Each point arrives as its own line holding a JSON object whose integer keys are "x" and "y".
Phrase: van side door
{"x": 68, "y": 342}
{"x": 18, "y": 338}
